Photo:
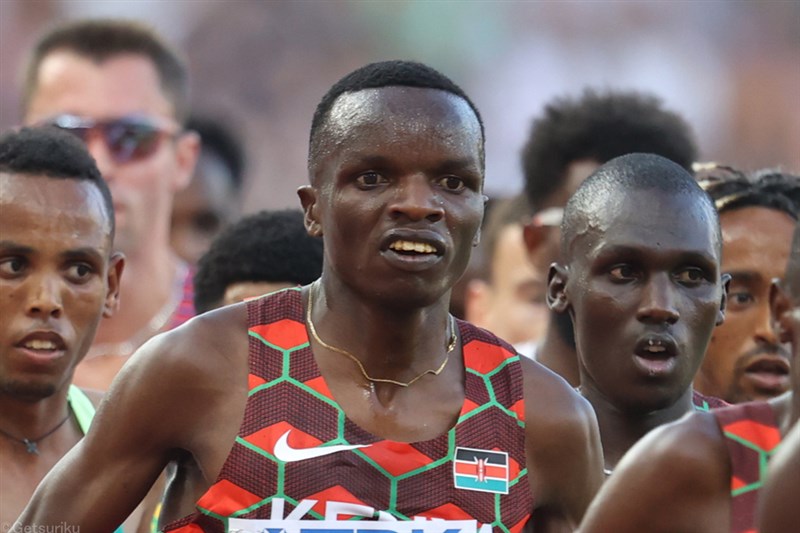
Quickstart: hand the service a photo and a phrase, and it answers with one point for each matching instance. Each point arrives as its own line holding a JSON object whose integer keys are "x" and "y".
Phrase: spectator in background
{"x": 458, "y": 296}
{"x": 758, "y": 213}
{"x": 704, "y": 473}
{"x": 567, "y": 143}
{"x": 261, "y": 253}
{"x": 212, "y": 201}
{"x": 118, "y": 87}
{"x": 506, "y": 295}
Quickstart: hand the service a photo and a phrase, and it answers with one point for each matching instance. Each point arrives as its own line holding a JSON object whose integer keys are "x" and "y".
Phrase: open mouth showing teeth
{"x": 410, "y": 247}
{"x": 37, "y": 344}
{"x": 654, "y": 348}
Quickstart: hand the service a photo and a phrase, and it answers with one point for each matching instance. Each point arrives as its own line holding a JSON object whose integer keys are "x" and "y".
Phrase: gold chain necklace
{"x": 450, "y": 346}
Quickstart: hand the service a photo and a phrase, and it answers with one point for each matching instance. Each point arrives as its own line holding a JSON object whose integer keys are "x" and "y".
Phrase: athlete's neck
{"x": 620, "y": 429}
{"x": 787, "y": 410}
{"x": 391, "y": 343}
{"x": 29, "y": 418}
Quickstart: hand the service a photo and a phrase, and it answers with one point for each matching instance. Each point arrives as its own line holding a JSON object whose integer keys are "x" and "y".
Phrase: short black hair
{"x": 220, "y": 140}
{"x": 49, "y": 151}
{"x": 600, "y": 126}
{"x": 103, "y": 39}
{"x": 395, "y": 73}
{"x": 631, "y": 172}
{"x": 265, "y": 246}
{"x": 733, "y": 189}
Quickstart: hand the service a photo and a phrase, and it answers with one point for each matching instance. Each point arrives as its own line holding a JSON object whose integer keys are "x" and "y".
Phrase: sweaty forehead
{"x": 406, "y": 107}
{"x": 70, "y": 207}
{"x": 645, "y": 219}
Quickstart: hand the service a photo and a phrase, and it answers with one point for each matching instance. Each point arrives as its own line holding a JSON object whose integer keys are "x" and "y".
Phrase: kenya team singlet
{"x": 298, "y": 457}
{"x": 752, "y": 437}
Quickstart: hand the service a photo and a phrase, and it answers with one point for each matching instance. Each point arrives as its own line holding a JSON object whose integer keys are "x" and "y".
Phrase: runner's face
{"x": 645, "y": 292}
{"x": 55, "y": 280}
{"x": 398, "y": 193}
{"x": 744, "y": 361}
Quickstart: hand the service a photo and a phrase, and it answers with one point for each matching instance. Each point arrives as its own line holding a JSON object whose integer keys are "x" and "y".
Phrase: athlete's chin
{"x": 753, "y": 396}
{"x": 28, "y": 391}
{"x": 650, "y": 400}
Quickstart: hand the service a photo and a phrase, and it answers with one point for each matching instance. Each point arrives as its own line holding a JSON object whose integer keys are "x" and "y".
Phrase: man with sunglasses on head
{"x": 124, "y": 92}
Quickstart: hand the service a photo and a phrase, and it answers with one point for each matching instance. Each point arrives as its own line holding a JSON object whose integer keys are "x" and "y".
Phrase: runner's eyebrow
{"x": 83, "y": 253}
{"x": 12, "y": 247}
{"x": 746, "y": 276}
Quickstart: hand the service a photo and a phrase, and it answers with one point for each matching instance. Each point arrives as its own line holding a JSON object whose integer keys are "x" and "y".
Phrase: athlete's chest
{"x": 299, "y": 455}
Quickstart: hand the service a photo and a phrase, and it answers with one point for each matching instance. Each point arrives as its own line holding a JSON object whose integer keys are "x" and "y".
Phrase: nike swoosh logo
{"x": 287, "y": 454}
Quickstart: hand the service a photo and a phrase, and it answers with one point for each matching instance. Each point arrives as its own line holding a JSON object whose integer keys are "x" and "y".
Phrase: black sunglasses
{"x": 128, "y": 138}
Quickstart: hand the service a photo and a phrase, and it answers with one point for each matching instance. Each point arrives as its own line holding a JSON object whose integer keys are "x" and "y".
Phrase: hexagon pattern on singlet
{"x": 752, "y": 437}
{"x": 288, "y": 399}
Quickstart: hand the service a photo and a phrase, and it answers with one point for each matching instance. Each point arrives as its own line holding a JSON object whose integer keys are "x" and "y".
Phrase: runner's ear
{"x": 723, "y": 303}
{"x": 308, "y": 198}
{"x": 780, "y": 307}
{"x": 115, "y": 267}
{"x": 556, "y": 288}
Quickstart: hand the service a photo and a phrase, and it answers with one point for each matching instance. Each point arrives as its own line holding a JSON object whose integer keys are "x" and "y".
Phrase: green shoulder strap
{"x": 81, "y": 406}
{"x": 83, "y": 409}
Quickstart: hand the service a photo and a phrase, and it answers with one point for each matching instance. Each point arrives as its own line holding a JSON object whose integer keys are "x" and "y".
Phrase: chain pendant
{"x": 31, "y": 446}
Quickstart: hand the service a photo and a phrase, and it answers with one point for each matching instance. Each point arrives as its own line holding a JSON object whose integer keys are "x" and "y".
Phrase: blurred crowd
{"x": 729, "y": 67}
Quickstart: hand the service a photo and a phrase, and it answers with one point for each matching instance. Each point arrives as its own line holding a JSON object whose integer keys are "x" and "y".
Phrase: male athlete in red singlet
{"x": 358, "y": 396}
{"x": 704, "y": 473}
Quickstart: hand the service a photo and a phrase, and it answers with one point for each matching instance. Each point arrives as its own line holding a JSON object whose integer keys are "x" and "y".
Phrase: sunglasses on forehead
{"x": 128, "y": 138}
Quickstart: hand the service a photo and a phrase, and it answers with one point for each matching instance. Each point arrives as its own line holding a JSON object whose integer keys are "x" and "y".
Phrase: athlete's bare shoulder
{"x": 778, "y": 510}
{"x": 563, "y": 448}
{"x": 675, "y": 479}
{"x": 543, "y": 387}
{"x": 204, "y": 345}
{"x": 192, "y": 368}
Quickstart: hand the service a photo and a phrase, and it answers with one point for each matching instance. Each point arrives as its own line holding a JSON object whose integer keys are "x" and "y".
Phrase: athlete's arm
{"x": 562, "y": 444}
{"x": 778, "y": 509}
{"x": 152, "y": 411}
{"x": 675, "y": 479}
{"x": 141, "y": 519}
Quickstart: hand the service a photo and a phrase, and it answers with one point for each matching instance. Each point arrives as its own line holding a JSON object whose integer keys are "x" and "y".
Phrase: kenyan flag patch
{"x": 481, "y": 470}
